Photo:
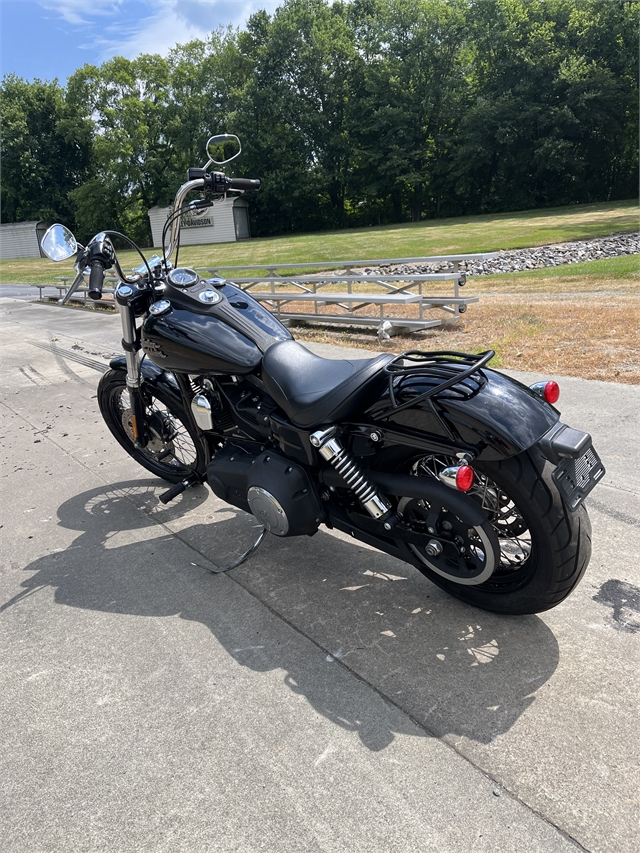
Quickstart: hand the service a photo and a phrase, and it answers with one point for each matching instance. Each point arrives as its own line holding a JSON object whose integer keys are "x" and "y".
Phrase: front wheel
{"x": 542, "y": 549}
{"x": 174, "y": 449}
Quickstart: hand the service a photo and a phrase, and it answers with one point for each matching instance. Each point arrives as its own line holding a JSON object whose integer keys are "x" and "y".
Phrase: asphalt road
{"x": 321, "y": 697}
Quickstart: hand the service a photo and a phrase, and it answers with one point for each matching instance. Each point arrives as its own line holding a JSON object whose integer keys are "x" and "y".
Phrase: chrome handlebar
{"x": 174, "y": 233}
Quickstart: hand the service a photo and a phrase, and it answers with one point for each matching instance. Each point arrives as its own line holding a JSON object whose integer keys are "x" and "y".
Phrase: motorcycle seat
{"x": 312, "y": 390}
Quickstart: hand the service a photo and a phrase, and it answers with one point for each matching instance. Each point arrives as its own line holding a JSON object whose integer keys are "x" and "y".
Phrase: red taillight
{"x": 464, "y": 478}
{"x": 551, "y": 392}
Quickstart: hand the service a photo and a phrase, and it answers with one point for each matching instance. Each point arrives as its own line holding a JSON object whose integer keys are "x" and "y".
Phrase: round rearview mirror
{"x": 223, "y": 148}
{"x": 58, "y": 243}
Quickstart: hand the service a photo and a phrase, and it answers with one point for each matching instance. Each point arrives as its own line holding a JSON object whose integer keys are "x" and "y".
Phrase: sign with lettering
{"x": 191, "y": 222}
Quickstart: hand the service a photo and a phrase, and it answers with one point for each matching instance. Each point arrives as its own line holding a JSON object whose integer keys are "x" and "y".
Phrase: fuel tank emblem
{"x": 152, "y": 349}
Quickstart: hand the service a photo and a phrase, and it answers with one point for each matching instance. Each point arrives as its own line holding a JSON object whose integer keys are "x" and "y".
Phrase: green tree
{"x": 206, "y": 79}
{"x": 133, "y": 158}
{"x": 350, "y": 113}
{"x": 553, "y": 95}
{"x": 292, "y": 114}
{"x": 407, "y": 98}
{"x": 152, "y": 117}
{"x": 45, "y": 148}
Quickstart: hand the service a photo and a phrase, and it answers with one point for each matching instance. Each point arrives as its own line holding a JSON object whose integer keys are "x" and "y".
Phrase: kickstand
{"x": 244, "y": 556}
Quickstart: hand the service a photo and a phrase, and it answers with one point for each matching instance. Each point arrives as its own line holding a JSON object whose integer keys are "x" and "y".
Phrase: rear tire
{"x": 544, "y": 548}
{"x": 175, "y": 448}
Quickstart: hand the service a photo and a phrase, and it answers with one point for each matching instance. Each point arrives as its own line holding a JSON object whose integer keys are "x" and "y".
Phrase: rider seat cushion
{"x": 312, "y": 390}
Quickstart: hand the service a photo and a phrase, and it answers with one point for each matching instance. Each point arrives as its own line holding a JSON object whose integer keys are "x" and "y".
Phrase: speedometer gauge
{"x": 183, "y": 277}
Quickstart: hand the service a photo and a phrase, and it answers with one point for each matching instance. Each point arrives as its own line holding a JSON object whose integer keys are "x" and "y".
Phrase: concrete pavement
{"x": 322, "y": 696}
{"x": 19, "y": 291}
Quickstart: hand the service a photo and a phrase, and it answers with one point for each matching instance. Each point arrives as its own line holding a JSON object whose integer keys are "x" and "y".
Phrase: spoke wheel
{"x": 506, "y": 520}
{"x": 466, "y": 555}
{"x": 174, "y": 448}
{"x": 542, "y": 549}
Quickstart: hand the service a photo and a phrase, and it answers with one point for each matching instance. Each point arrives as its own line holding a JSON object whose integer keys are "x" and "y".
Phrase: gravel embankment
{"x": 515, "y": 260}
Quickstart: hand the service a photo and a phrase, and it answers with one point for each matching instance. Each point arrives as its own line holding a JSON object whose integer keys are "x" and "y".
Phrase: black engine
{"x": 273, "y": 488}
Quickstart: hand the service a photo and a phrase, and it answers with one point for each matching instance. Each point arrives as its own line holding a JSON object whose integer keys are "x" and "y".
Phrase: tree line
{"x": 352, "y": 114}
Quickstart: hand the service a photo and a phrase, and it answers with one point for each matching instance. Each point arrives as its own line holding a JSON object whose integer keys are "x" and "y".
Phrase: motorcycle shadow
{"x": 458, "y": 671}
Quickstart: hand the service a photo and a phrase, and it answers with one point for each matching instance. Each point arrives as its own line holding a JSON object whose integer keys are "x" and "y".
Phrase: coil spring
{"x": 350, "y": 472}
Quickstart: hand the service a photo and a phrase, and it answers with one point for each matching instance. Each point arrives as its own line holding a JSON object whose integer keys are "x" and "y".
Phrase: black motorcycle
{"x": 431, "y": 457}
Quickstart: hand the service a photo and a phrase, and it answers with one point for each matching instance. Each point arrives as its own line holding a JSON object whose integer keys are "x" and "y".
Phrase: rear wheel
{"x": 541, "y": 549}
{"x": 174, "y": 449}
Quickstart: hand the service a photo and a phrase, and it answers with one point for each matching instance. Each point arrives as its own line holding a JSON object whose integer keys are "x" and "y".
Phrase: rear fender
{"x": 499, "y": 419}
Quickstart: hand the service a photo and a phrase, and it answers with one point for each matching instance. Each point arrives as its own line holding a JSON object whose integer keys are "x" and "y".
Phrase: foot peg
{"x": 242, "y": 557}
{"x": 178, "y": 489}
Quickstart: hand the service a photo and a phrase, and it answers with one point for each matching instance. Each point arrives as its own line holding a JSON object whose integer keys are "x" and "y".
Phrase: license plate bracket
{"x": 575, "y": 478}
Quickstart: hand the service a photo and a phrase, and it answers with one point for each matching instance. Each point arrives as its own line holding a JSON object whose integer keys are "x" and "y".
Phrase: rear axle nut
{"x": 433, "y": 548}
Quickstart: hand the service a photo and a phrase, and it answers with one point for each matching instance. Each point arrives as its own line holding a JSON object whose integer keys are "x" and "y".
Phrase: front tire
{"x": 544, "y": 548}
{"x": 175, "y": 449}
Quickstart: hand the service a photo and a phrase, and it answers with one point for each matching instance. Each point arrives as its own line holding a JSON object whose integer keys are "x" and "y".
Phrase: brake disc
{"x": 156, "y": 443}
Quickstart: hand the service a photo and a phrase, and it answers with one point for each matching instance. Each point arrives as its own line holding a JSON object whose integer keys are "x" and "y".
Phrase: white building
{"x": 21, "y": 239}
{"x": 224, "y": 222}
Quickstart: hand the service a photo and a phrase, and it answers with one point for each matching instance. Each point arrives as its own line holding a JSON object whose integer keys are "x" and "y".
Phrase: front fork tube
{"x": 131, "y": 345}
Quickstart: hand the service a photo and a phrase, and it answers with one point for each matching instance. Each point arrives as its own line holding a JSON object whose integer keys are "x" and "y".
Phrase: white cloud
{"x": 168, "y": 23}
{"x": 78, "y": 13}
{"x": 156, "y": 33}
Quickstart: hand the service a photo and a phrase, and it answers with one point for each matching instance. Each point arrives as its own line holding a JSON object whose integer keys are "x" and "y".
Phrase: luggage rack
{"x": 453, "y": 368}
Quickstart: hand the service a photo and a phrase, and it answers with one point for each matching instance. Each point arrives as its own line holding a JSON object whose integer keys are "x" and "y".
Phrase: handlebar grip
{"x": 244, "y": 184}
{"x": 96, "y": 280}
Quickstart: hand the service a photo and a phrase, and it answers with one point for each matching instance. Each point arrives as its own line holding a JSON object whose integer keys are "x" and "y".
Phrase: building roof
{"x": 33, "y": 222}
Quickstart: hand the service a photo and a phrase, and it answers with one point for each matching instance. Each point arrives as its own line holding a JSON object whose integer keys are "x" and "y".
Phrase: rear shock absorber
{"x": 331, "y": 449}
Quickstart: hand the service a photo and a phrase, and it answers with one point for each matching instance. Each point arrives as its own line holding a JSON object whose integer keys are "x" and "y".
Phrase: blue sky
{"x": 51, "y": 38}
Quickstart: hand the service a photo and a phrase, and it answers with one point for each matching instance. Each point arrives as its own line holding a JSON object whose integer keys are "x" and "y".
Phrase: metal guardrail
{"x": 291, "y": 284}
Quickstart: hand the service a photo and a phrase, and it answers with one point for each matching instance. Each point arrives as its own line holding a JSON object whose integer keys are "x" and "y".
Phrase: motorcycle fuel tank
{"x": 226, "y": 335}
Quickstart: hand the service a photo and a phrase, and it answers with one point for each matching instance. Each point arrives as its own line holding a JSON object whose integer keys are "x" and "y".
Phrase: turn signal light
{"x": 549, "y": 391}
{"x": 464, "y": 478}
{"x": 460, "y": 477}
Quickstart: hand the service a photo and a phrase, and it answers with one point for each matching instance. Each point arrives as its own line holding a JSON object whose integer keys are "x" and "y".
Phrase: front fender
{"x": 500, "y": 418}
{"x": 152, "y": 375}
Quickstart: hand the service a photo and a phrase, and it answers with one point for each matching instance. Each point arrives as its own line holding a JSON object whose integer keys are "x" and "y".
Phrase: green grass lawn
{"x": 433, "y": 237}
{"x": 621, "y": 274}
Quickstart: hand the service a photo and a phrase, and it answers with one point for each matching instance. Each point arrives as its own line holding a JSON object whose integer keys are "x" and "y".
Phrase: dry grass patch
{"x": 582, "y": 320}
{"x": 595, "y": 338}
